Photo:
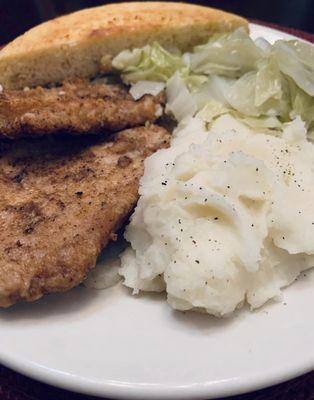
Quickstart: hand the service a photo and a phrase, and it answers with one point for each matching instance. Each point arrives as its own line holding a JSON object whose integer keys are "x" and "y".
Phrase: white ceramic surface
{"x": 111, "y": 344}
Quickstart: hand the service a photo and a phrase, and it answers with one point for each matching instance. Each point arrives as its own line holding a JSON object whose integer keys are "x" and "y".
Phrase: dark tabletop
{"x": 14, "y": 386}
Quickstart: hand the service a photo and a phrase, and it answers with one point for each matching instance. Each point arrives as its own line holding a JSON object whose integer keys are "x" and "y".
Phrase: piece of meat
{"x": 77, "y": 107}
{"x": 61, "y": 200}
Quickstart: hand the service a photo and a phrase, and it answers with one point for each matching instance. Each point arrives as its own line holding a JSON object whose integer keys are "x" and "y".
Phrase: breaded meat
{"x": 62, "y": 199}
{"x": 78, "y": 107}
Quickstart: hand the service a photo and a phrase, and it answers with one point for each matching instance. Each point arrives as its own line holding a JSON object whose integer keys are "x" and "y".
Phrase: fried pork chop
{"x": 62, "y": 199}
{"x": 77, "y": 107}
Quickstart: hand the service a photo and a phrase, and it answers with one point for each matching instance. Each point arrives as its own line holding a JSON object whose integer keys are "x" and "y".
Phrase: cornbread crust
{"x": 73, "y": 45}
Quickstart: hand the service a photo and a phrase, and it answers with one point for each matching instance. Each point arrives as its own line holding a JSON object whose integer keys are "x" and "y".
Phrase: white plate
{"x": 111, "y": 344}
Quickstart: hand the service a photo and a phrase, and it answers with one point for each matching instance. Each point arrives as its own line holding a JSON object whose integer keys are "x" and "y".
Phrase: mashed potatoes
{"x": 225, "y": 216}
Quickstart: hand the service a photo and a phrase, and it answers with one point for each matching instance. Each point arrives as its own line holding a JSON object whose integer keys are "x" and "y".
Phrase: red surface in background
{"x": 14, "y": 386}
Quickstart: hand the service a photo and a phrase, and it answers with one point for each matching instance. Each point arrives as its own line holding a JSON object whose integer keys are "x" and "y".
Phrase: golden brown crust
{"x": 77, "y": 107}
{"x": 72, "y": 45}
{"x": 62, "y": 199}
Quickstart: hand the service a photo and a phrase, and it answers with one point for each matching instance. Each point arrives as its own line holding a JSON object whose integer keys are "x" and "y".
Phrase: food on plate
{"x": 74, "y": 45}
{"x": 225, "y": 216}
{"x": 77, "y": 107}
{"x": 263, "y": 85}
{"x": 62, "y": 200}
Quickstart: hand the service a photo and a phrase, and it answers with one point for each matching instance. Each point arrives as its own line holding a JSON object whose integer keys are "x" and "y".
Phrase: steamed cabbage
{"x": 180, "y": 103}
{"x": 262, "y": 92}
{"x": 296, "y": 59}
{"x": 152, "y": 62}
{"x": 213, "y": 109}
{"x": 230, "y": 55}
{"x": 263, "y": 85}
{"x": 268, "y": 84}
{"x": 141, "y": 88}
{"x": 302, "y": 104}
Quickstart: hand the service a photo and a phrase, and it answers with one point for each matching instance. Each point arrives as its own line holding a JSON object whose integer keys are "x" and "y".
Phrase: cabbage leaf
{"x": 264, "y": 86}
{"x": 227, "y": 54}
{"x": 214, "y": 109}
{"x": 140, "y": 88}
{"x": 302, "y": 104}
{"x": 296, "y": 59}
{"x": 180, "y": 102}
{"x": 150, "y": 63}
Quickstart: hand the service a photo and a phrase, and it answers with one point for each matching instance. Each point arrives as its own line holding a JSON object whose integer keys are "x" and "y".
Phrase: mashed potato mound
{"x": 225, "y": 217}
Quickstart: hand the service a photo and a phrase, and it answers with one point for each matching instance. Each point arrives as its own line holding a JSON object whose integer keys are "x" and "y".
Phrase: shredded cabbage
{"x": 261, "y": 123}
{"x": 151, "y": 63}
{"x": 261, "y": 93}
{"x": 216, "y": 88}
{"x": 180, "y": 102}
{"x": 302, "y": 104}
{"x": 263, "y": 85}
{"x": 140, "y": 88}
{"x": 230, "y": 54}
{"x": 296, "y": 59}
{"x": 214, "y": 109}
{"x": 263, "y": 44}
{"x": 268, "y": 82}
{"x": 242, "y": 95}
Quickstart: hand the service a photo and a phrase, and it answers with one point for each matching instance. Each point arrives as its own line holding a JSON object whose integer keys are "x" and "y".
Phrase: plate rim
{"x": 139, "y": 391}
